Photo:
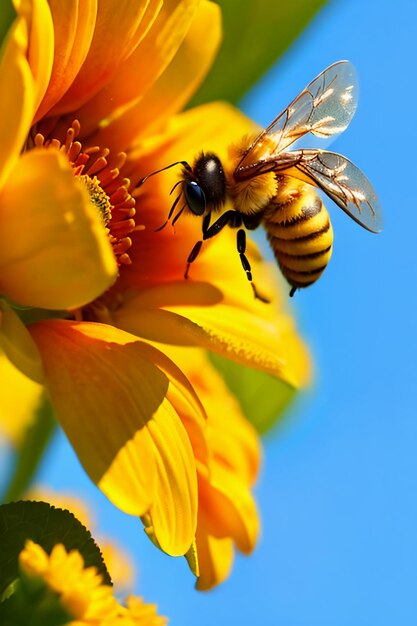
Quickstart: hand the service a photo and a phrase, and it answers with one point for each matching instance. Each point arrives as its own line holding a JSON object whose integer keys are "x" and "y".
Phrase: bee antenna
{"x": 183, "y": 163}
{"x": 161, "y": 227}
{"x": 171, "y": 211}
{"x": 292, "y": 292}
{"x": 175, "y": 186}
{"x": 177, "y": 215}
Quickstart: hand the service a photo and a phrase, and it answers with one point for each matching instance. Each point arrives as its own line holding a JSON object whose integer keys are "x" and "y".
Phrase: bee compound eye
{"x": 194, "y": 195}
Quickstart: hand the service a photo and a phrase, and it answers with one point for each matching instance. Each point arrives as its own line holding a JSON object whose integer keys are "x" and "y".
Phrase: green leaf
{"x": 47, "y": 526}
{"x": 7, "y": 16}
{"x": 256, "y": 33}
{"x": 31, "y": 450}
{"x": 263, "y": 398}
{"x": 35, "y": 605}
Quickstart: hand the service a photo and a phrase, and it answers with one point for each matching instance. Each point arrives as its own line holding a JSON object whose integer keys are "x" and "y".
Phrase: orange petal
{"x": 113, "y": 41}
{"x": 41, "y": 43}
{"x": 177, "y": 83}
{"x": 230, "y": 508}
{"x": 54, "y": 251}
{"x": 17, "y": 102}
{"x": 73, "y": 24}
{"x": 186, "y": 72}
{"x": 215, "y": 557}
{"x": 111, "y": 401}
{"x": 167, "y": 26}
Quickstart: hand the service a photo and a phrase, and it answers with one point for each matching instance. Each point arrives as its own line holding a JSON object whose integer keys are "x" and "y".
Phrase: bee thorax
{"x": 253, "y": 195}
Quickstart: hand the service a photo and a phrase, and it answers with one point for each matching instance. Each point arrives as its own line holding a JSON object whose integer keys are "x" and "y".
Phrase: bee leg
{"x": 292, "y": 292}
{"x": 171, "y": 211}
{"x": 192, "y": 256}
{"x": 196, "y": 249}
{"x": 209, "y": 232}
{"x": 241, "y": 248}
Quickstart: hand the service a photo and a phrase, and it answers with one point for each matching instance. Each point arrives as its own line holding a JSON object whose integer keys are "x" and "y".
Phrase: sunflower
{"x": 93, "y": 297}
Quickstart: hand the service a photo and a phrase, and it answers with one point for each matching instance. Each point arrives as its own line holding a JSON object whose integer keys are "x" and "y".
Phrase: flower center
{"x": 98, "y": 196}
{"x": 102, "y": 177}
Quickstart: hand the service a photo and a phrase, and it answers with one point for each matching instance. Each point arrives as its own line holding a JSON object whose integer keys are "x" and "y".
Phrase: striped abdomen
{"x": 299, "y": 231}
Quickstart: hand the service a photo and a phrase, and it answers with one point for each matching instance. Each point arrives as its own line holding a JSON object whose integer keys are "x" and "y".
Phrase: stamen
{"x": 101, "y": 174}
{"x": 98, "y": 197}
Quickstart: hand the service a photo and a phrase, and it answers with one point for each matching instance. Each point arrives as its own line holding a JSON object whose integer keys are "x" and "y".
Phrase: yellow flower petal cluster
{"x": 116, "y": 558}
{"x": 80, "y": 590}
{"x": 91, "y": 105}
{"x": 227, "y": 469}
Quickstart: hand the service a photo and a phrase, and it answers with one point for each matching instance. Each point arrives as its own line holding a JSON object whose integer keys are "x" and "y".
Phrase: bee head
{"x": 203, "y": 187}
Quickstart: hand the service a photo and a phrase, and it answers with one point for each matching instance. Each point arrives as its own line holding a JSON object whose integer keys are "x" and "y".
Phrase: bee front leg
{"x": 241, "y": 248}
{"x": 197, "y": 247}
{"x": 209, "y": 232}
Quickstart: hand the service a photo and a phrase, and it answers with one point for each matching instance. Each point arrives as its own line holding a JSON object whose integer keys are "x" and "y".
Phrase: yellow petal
{"x": 261, "y": 336}
{"x": 230, "y": 507}
{"x": 113, "y": 41}
{"x": 18, "y": 344}
{"x": 19, "y": 399}
{"x": 180, "y": 79}
{"x": 73, "y": 24}
{"x": 41, "y": 43}
{"x": 54, "y": 251}
{"x": 174, "y": 510}
{"x": 111, "y": 401}
{"x": 184, "y": 398}
{"x": 192, "y": 559}
{"x": 215, "y": 557}
{"x": 17, "y": 102}
{"x": 78, "y": 590}
{"x": 231, "y": 438}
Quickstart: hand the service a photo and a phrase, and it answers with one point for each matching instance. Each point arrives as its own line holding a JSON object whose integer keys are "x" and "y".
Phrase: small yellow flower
{"x": 117, "y": 560}
{"x": 92, "y": 105}
{"x": 80, "y": 590}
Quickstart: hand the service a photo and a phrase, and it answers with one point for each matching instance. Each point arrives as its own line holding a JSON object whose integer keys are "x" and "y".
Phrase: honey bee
{"x": 273, "y": 187}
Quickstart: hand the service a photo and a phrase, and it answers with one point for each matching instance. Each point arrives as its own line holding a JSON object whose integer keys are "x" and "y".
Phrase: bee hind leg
{"x": 241, "y": 248}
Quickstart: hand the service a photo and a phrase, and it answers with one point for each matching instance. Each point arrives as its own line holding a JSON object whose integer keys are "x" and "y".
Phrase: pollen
{"x": 98, "y": 197}
{"x": 101, "y": 173}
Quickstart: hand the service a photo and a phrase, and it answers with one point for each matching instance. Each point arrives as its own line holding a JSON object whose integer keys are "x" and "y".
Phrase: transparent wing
{"x": 334, "y": 174}
{"x": 342, "y": 181}
{"x": 325, "y": 109}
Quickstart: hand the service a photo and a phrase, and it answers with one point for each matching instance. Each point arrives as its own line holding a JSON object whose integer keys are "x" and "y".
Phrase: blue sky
{"x": 338, "y": 493}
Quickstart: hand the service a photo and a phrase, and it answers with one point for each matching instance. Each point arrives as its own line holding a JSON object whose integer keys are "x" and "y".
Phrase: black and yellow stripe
{"x": 300, "y": 232}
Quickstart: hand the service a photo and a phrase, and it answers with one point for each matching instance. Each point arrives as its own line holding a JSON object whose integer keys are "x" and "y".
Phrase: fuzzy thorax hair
{"x": 252, "y": 195}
